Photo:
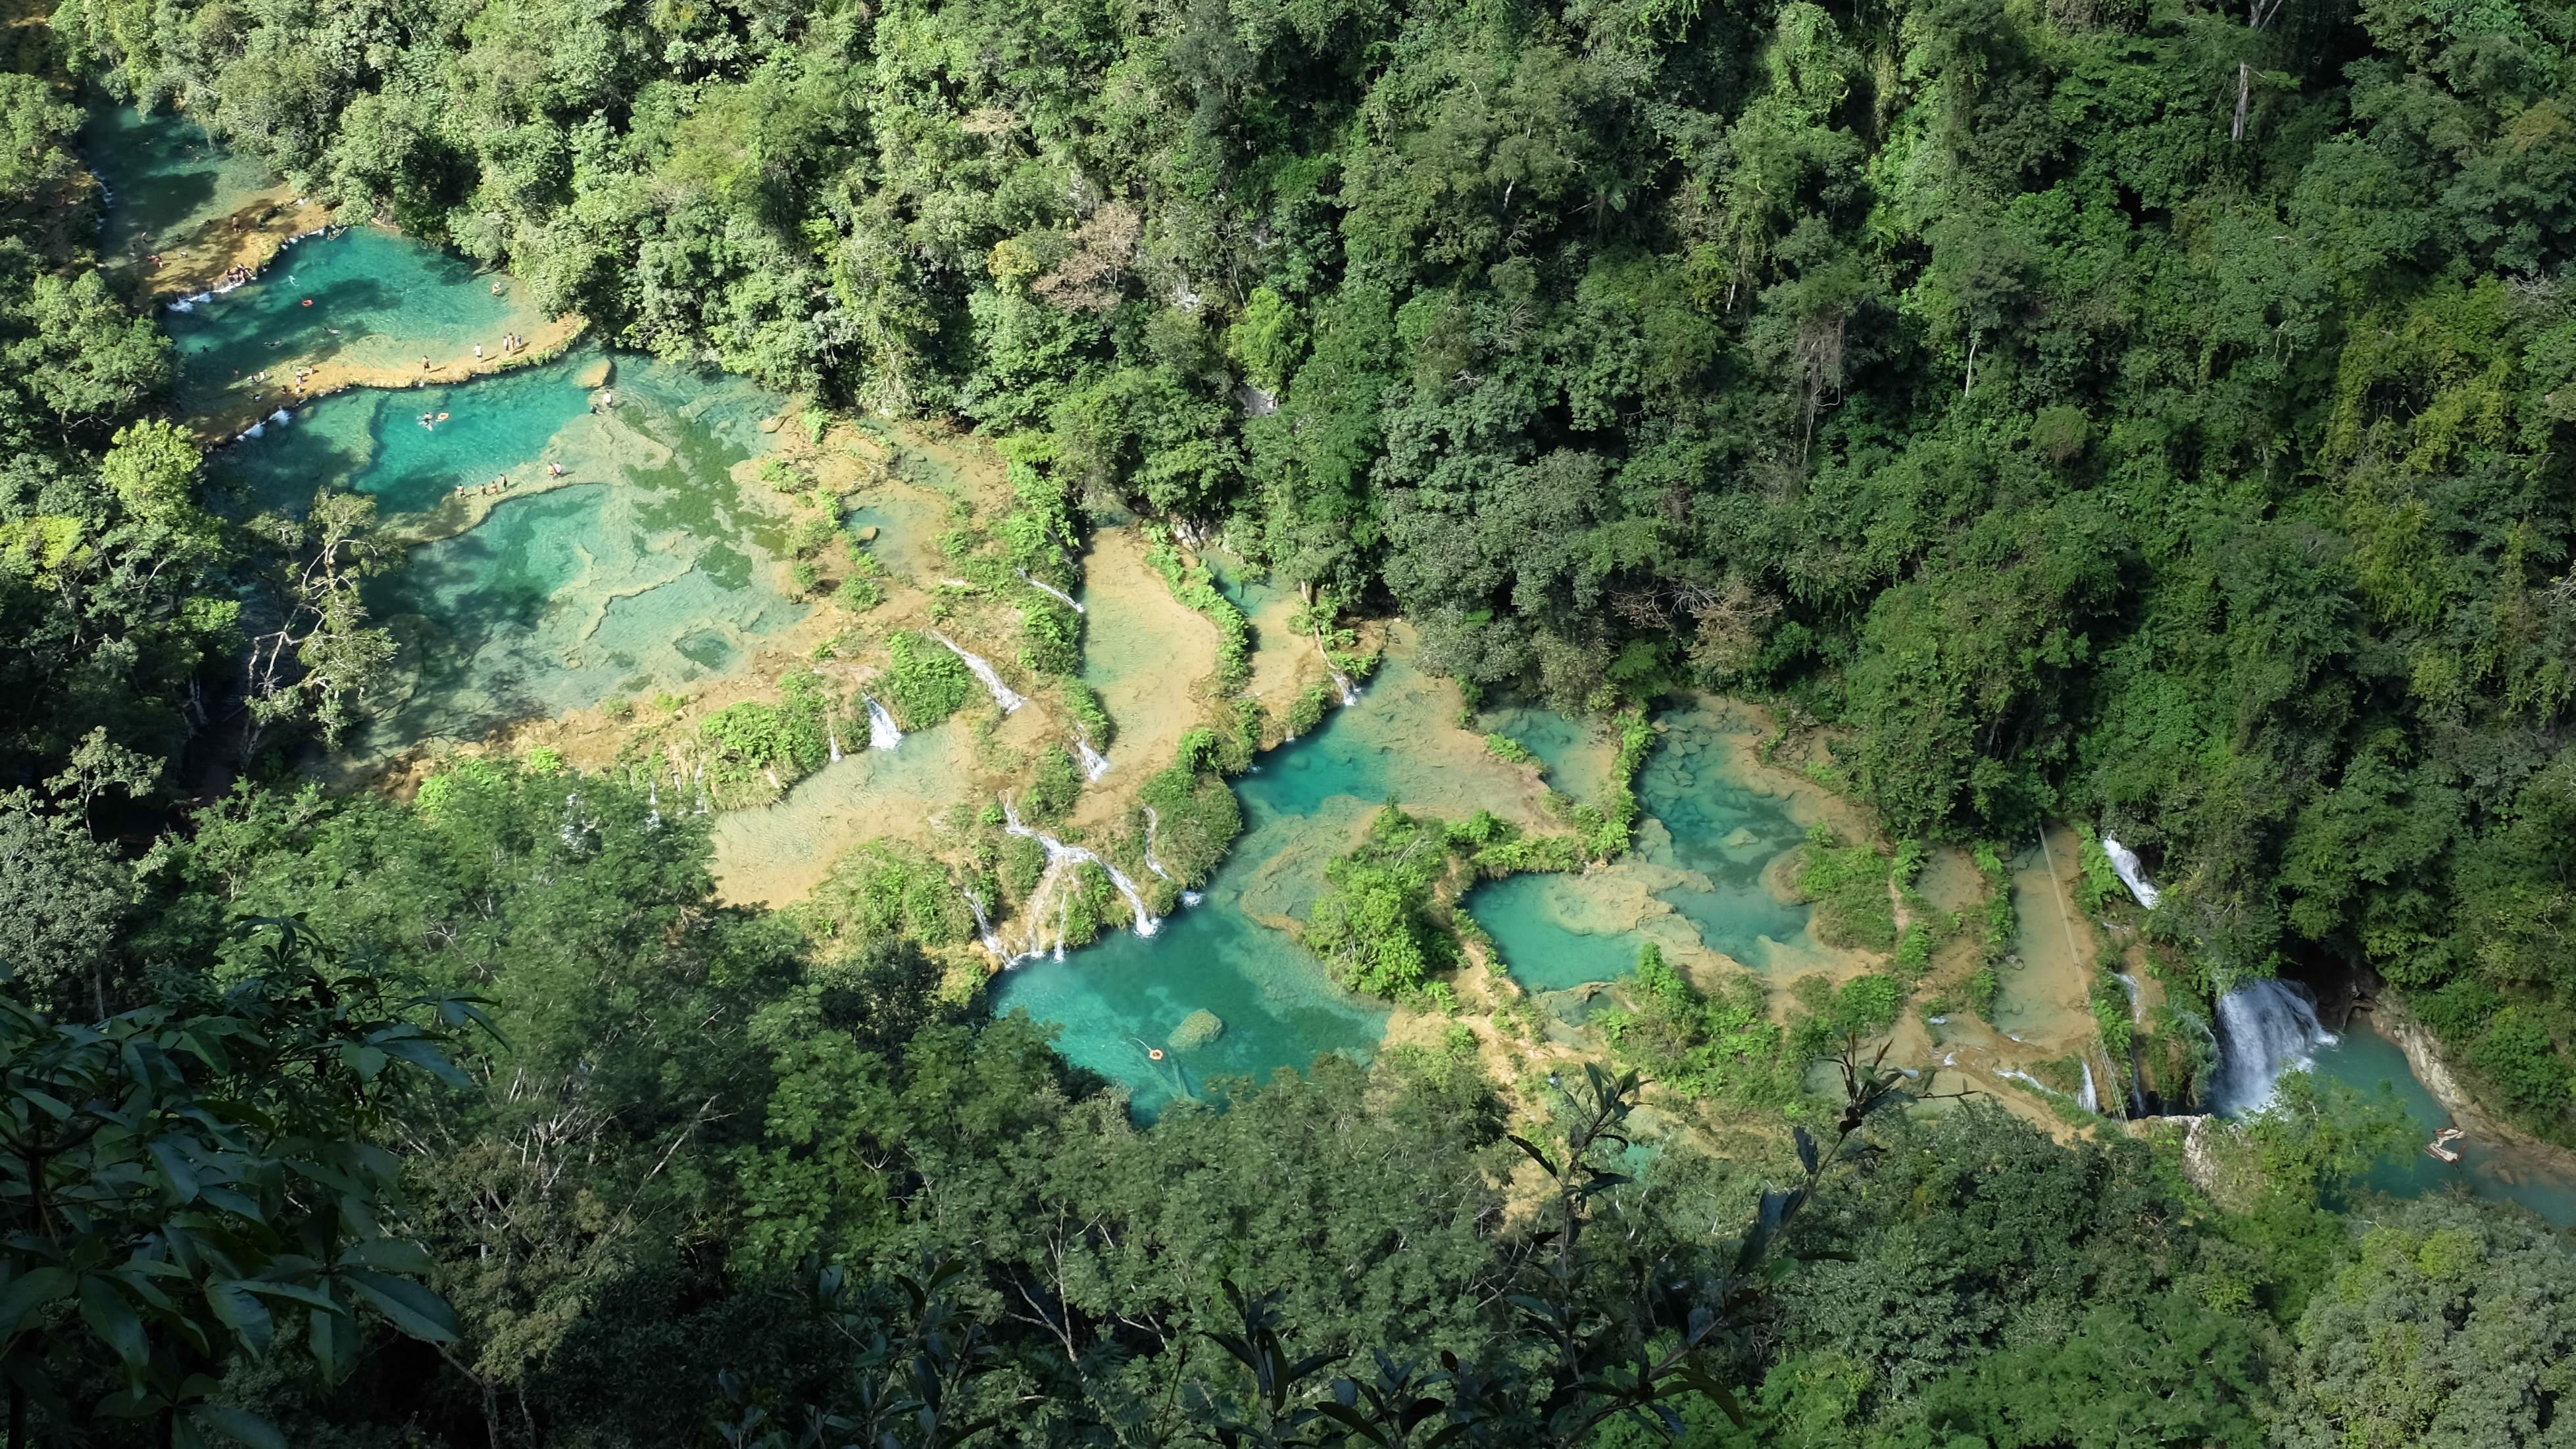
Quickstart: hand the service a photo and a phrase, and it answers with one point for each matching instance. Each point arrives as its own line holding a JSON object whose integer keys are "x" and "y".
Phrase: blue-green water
{"x": 2363, "y": 1058}
{"x": 1540, "y": 950}
{"x": 1725, "y": 827}
{"x": 163, "y": 177}
{"x": 1703, "y": 814}
{"x": 1305, "y": 803}
{"x": 1124, "y": 996}
{"x": 372, "y": 440}
{"x": 1577, "y": 754}
{"x": 651, "y": 573}
{"x": 377, "y": 300}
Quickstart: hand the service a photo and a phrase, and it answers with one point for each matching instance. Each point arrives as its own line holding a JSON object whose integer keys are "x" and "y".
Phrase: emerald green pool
{"x": 1703, "y": 815}
{"x": 378, "y": 300}
{"x": 1120, "y": 999}
{"x": 649, "y": 571}
{"x": 2364, "y": 1059}
{"x": 163, "y": 176}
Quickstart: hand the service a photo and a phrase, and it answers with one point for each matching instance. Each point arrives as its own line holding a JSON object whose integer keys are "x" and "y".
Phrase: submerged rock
{"x": 868, "y": 534}
{"x": 1199, "y": 1028}
{"x": 594, "y": 373}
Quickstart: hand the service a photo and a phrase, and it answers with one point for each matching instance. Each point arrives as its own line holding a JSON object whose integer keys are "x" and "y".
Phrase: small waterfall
{"x": 652, "y": 802}
{"x": 834, "y": 736}
{"x": 1069, "y": 600}
{"x": 2125, "y": 861}
{"x": 1003, "y": 694}
{"x": 2088, "y": 1099}
{"x": 882, "y": 735}
{"x": 1152, "y": 823}
{"x": 2129, "y": 984}
{"x": 1062, "y": 858}
{"x": 984, "y": 928}
{"x": 1094, "y": 763}
{"x": 702, "y": 789}
{"x": 2265, "y": 1028}
{"x": 1350, "y": 691}
{"x": 280, "y": 417}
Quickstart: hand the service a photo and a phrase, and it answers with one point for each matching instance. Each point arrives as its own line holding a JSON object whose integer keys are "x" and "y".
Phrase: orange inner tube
{"x": 1154, "y": 1052}
{"x": 308, "y": 301}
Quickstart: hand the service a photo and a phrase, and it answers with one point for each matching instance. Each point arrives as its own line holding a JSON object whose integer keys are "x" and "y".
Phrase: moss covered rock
{"x": 1196, "y": 1030}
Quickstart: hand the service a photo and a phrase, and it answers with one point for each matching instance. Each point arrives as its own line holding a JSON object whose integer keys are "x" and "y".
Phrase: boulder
{"x": 1199, "y": 1028}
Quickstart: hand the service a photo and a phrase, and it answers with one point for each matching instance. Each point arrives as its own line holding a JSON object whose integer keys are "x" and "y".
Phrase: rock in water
{"x": 868, "y": 534}
{"x": 1196, "y": 1030}
{"x": 594, "y": 374}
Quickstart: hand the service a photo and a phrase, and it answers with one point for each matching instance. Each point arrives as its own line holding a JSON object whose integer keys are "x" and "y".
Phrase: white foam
{"x": 1003, "y": 694}
{"x": 2125, "y": 861}
{"x": 882, "y": 735}
{"x": 1069, "y": 599}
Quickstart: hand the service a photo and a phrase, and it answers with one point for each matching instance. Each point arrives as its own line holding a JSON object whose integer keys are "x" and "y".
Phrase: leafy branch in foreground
{"x": 1619, "y": 1337}
{"x": 194, "y": 1179}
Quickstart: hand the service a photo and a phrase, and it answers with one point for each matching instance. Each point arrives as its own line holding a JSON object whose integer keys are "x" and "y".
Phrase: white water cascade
{"x": 833, "y": 734}
{"x": 2265, "y": 1028}
{"x": 2088, "y": 1099}
{"x": 2125, "y": 861}
{"x": 1350, "y": 691}
{"x": 1070, "y": 601}
{"x": 882, "y": 735}
{"x": 1003, "y": 694}
{"x": 1094, "y": 763}
{"x": 1055, "y": 885}
{"x": 1152, "y": 823}
{"x": 984, "y": 928}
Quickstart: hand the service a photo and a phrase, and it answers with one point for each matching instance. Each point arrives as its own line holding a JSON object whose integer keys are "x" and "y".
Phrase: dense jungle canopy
{"x": 2140, "y": 413}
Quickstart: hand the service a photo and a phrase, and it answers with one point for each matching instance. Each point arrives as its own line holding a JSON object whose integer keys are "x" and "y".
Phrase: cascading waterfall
{"x": 984, "y": 928}
{"x": 1350, "y": 691}
{"x": 2125, "y": 861}
{"x": 653, "y": 803}
{"x": 1070, "y": 601}
{"x": 882, "y": 735}
{"x": 1062, "y": 860}
{"x": 1094, "y": 763}
{"x": 2088, "y": 1099}
{"x": 2265, "y": 1028}
{"x": 1152, "y": 823}
{"x": 1003, "y": 694}
{"x": 833, "y": 734}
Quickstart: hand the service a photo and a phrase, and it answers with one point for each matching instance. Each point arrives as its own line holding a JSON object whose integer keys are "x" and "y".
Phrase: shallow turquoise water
{"x": 1123, "y": 996}
{"x": 1538, "y": 948}
{"x": 1713, "y": 822}
{"x": 379, "y": 301}
{"x": 2363, "y": 1058}
{"x": 650, "y": 574}
{"x": 162, "y": 175}
{"x": 1576, "y": 758}
{"x": 372, "y": 440}
{"x": 1725, "y": 829}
